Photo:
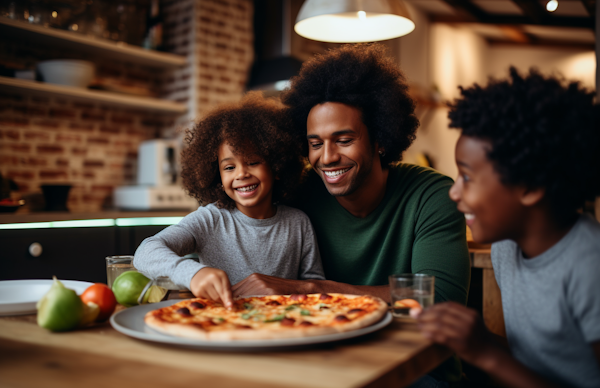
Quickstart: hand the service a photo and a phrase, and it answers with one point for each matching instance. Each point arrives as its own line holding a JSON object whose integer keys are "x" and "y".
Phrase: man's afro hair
{"x": 364, "y": 77}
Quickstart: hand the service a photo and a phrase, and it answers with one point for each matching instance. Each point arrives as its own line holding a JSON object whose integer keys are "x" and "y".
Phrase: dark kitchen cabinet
{"x": 69, "y": 253}
{"x": 130, "y": 237}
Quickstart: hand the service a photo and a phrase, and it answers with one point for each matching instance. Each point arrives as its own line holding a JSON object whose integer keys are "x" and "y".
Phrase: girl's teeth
{"x": 332, "y": 174}
{"x": 469, "y": 216}
{"x": 247, "y": 188}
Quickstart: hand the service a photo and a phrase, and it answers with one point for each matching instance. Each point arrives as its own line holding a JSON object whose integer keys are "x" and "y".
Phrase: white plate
{"x": 131, "y": 322}
{"x": 19, "y": 297}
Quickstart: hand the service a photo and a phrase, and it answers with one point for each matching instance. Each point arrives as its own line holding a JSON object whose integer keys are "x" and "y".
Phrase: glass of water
{"x": 116, "y": 265}
{"x": 411, "y": 290}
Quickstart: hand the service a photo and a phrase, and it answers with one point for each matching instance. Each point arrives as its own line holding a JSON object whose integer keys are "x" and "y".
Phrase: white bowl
{"x": 68, "y": 72}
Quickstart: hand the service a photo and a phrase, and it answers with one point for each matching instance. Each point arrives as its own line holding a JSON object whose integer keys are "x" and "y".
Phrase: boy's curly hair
{"x": 544, "y": 133}
{"x": 361, "y": 76}
{"x": 253, "y": 127}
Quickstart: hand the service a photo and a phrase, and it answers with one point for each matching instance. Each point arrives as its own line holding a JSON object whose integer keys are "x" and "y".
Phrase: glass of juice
{"x": 116, "y": 265}
{"x": 411, "y": 290}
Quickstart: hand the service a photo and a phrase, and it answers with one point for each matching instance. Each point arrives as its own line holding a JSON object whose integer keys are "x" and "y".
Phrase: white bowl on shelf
{"x": 68, "y": 72}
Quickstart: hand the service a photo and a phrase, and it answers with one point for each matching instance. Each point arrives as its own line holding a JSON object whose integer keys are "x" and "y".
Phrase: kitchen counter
{"x": 24, "y": 217}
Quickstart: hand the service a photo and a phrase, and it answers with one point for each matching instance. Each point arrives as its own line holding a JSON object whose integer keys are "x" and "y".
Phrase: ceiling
{"x": 524, "y": 22}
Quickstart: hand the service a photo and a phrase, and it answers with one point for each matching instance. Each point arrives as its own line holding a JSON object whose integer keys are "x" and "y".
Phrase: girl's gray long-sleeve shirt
{"x": 283, "y": 245}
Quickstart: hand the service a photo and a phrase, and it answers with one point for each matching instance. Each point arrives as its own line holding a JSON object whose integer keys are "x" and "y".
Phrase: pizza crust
{"x": 262, "y": 330}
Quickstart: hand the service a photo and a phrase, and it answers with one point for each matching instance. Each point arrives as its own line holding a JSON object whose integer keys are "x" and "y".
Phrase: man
{"x": 373, "y": 217}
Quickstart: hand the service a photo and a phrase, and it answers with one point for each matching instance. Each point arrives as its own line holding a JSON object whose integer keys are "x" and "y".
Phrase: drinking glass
{"x": 411, "y": 290}
{"x": 116, "y": 265}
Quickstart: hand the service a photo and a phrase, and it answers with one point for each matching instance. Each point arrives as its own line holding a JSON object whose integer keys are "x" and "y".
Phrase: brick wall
{"x": 94, "y": 146}
{"x": 224, "y": 51}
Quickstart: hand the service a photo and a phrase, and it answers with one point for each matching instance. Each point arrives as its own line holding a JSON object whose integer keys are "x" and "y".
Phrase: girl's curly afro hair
{"x": 361, "y": 76}
{"x": 544, "y": 133}
{"x": 253, "y": 127}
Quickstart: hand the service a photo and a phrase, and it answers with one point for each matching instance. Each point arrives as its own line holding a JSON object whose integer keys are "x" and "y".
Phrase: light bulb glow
{"x": 552, "y": 5}
{"x": 362, "y": 15}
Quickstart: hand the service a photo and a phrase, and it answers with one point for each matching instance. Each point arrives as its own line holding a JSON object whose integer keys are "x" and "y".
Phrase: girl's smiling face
{"x": 248, "y": 181}
{"x": 493, "y": 210}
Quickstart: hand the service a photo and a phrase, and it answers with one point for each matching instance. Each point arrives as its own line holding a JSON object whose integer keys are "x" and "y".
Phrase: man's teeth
{"x": 332, "y": 174}
{"x": 247, "y": 188}
{"x": 469, "y": 216}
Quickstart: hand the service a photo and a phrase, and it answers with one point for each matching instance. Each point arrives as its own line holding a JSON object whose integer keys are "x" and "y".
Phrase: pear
{"x": 61, "y": 309}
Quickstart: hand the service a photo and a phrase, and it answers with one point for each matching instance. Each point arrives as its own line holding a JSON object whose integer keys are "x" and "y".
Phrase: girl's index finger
{"x": 226, "y": 295}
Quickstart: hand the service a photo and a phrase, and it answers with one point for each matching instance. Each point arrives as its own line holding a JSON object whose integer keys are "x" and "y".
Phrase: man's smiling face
{"x": 339, "y": 147}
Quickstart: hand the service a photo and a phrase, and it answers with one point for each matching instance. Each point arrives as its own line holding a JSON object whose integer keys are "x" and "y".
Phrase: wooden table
{"x": 491, "y": 297}
{"x": 99, "y": 356}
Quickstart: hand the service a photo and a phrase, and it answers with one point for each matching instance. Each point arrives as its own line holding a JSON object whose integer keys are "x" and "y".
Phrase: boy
{"x": 239, "y": 161}
{"x": 527, "y": 160}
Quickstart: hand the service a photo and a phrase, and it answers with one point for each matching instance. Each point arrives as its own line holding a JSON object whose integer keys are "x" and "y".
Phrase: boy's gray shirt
{"x": 283, "y": 245}
{"x": 551, "y": 305}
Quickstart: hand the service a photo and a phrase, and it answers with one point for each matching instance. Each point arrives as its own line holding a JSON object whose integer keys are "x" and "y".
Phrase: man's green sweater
{"x": 415, "y": 229}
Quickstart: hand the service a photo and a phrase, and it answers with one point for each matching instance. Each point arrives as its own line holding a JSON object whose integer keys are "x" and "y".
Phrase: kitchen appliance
{"x": 158, "y": 162}
{"x": 158, "y": 183}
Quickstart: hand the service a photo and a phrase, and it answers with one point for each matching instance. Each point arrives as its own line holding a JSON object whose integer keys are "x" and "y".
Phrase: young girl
{"x": 528, "y": 158}
{"x": 239, "y": 163}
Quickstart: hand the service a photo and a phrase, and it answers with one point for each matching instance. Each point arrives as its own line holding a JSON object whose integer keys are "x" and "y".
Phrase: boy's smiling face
{"x": 492, "y": 209}
{"x": 248, "y": 181}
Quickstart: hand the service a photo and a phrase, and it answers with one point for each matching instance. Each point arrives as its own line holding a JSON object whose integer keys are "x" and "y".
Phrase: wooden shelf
{"x": 94, "y": 46}
{"x": 114, "y": 99}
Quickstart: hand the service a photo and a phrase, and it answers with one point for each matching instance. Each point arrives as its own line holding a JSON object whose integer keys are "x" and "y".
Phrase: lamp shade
{"x": 353, "y": 21}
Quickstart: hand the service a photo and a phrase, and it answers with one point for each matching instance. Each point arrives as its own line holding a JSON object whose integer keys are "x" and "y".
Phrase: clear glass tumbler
{"x": 116, "y": 265}
{"x": 411, "y": 290}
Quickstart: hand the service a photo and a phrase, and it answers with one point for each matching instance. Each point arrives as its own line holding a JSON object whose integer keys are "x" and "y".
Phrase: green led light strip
{"x": 142, "y": 221}
{"x": 148, "y": 221}
{"x": 82, "y": 223}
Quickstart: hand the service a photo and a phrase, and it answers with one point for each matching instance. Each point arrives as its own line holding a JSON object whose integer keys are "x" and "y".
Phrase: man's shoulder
{"x": 420, "y": 186}
{"x": 419, "y": 175}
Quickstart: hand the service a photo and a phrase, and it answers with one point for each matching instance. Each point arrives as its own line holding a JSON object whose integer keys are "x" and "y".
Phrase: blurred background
{"x": 140, "y": 72}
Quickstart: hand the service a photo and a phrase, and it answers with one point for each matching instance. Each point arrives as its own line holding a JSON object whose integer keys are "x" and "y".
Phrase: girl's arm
{"x": 164, "y": 254}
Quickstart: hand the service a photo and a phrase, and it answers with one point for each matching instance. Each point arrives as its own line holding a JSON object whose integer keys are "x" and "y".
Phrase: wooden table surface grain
{"x": 99, "y": 356}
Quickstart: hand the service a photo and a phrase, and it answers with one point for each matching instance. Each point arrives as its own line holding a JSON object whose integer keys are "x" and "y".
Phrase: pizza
{"x": 267, "y": 317}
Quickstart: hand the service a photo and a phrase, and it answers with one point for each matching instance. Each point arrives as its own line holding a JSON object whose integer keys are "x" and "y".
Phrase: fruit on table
{"x": 60, "y": 309}
{"x": 90, "y": 313}
{"x": 101, "y": 295}
{"x": 128, "y": 286}
{"x": 154, "y": 294}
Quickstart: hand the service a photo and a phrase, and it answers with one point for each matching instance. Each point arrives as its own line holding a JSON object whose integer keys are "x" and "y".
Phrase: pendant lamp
{"x": 353, "y": 21}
